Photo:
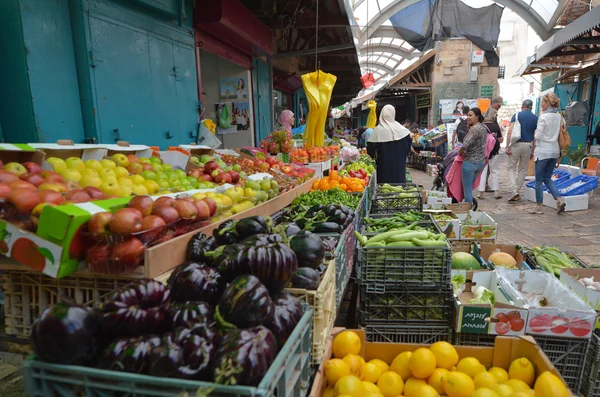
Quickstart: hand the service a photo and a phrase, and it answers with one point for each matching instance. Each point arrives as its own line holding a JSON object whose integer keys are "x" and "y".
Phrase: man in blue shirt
{"x": 519, "y": 150}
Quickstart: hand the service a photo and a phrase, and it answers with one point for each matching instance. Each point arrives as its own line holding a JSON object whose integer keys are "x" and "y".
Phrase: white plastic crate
{"x": 573, "y": 203}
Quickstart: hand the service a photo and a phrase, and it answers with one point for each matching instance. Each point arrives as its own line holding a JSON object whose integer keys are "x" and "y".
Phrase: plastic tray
{"x": 559, "y": 176}
{"x": 288, "y": 376}
{"x": 416, "y": 334}
{"x": 589, "y": 183}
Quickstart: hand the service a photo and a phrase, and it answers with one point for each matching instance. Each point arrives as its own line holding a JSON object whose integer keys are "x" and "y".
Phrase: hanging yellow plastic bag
{"x": 318, "y": 87}
{"x": 372, "y": 119}
{"x": 209, "y": 124}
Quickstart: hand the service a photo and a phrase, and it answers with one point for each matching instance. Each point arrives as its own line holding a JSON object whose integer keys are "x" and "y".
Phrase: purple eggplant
{"x": 129, "y": 354}
{"x": 184, "y": 313}
{"x": 192, "y": 281}
{"x": 66, "y": 334}
{"x": 138, "y": 308}
{"x": 288, "y": 312}
{"x": 245, "y": 303}
{"x": 244, "y": 356}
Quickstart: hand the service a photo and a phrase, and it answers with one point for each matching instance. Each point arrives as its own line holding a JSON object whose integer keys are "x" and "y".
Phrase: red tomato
{"x": 517, "y": 324}
{"x": 540, "y": 324}
{"x": 579, "y": 327}
{"x": 502, "y": 317}
{"x": 514, "y": 314}
{"x": 502, "y": 328}
{"x": 560, "y": 325}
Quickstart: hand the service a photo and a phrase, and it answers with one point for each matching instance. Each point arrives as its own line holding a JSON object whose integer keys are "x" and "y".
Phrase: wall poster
{"x": 234, "y": 88}
{"x": 233, "y": 117}
{"x": 451, "y": 109}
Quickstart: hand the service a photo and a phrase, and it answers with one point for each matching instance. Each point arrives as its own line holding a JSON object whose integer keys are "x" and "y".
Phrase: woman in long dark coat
{"x": 389, "y": 145}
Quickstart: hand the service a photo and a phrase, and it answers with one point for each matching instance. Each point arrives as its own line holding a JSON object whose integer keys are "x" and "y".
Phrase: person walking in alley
{"x": 519, "y": 145}
{"x": 494, "y": 129}
{"x": 492, "y": 112}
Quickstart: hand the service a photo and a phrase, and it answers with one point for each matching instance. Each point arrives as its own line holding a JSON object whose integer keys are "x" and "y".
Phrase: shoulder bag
{"x": 564, "y": 139}
{"x": 516, "y": 130}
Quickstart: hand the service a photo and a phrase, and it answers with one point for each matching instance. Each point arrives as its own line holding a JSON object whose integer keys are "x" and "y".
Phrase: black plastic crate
{"x": 568, "y": 355}
{"x": 414, "y": 266}
{"x": 389, "y": 204}
{"x": 427, "y": 222}
{"x": 381, "y": 304}
{"x": 416, "y": 334}
{"x": 463, "y": 339}
{"x": 591, "y": 371}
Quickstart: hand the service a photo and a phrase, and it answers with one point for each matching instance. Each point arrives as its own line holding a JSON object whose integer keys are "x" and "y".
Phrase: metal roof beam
{"x": 380, "y": 66}
{"x": 385, "y": 31}
{"x": 311, "y": 51}
{"x": 388, "y": 49}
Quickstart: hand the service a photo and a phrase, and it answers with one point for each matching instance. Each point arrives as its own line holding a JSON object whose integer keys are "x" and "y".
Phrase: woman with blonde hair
{"x": 546, "y": 152}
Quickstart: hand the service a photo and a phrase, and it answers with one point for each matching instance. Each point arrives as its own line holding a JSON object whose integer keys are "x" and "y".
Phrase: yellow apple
{"x": 126, "y": 191}
{"x": 151, "y": 186}
{"x": 120, "y": 159}
{"x": 93, "y": 165}
{"x": 75, "y": 163}
{"x": 106, "y": 163}
{"x": 211, "y": 194}
{"x": 89, "y": 171}
{"x": 56, "y": 186}
{"x": 125, "y": 181}
{"x": 110, "y": 187}
{"x": 90, "y": 180}
{"x": 59, "y": 165}
{"x": 121, "y": 172}
{"x": 107, "y": 173}
{"x": 140, "y": 190}
{"x": 71, "y": 175}
{"x": 137, "y": 179}
{"x": 199, "y": 196}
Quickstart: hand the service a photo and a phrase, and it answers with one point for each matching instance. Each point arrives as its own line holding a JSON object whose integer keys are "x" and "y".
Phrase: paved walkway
{"x": 577, "y": 232}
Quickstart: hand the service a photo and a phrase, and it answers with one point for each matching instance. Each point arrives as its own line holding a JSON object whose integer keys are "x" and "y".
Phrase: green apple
{"x": 75, "y": 163}
{"x": 149, "y": 175}
{"x": 253, "y": 185}
{"x": 163, "y": 184}
{"x": 157, "y": 167}
{"x": 174, "y": 182}
{"x": 93, "y": 165}
{"x": 144, "y": 160}
{"x": 155, "y": 160}
{"x": 167, "y": 167}
{"x": 171, "y": 175}
{"x": 161, "y": 176}
{"x": 265, "y": 184}
{"x": 180, "y": 173}
{"x": 71, "y": 175}
{"x": 57, "y": 164}
{"x": 106, "y": 163}
{"x": 237, "y": 167}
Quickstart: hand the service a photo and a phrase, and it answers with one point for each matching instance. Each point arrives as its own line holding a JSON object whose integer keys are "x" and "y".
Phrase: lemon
{"x": 345, "y": 343}
{"x": 484, "y": 392}
{"x": 413, "y": 386}
{"x": 329, "y": 392}
{"x": 470, "y": 366}
{"x": 335, "y": 369}
{"x": 435, "y": 379}
{"x": 445, "y": 354}
{"x": 350, "y": 385}
{"x": 390, "y": 384}
{"x": 522, "y": 369}
{"x": 517, "y": 385}
{"x": 458, "y": 384}
{"x": 500, "y": 374}
{"x": 520, "y": 394}
{"x": 550, "y": 385}
{"x": 371, "y": 372}
{"x": 504, "y": 390}
{"x": 400, "y": 365}
{"x": 381, "y": 364}
{"x": 370, "y": 387}
{"x": 427, "y": 391}
{"x": 422, "y": 363}
{"x": 485, "y": 379}
{"x": 355, "y": 363}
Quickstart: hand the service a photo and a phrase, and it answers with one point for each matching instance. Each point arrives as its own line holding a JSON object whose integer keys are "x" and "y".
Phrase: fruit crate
{"x": 323, "y": 304}
{"x": 414, "y": 266}
{"x": 591, "y": 370}
{"x": 462, "y": 339}
{"x": 288, "y": 376}
{"x": 420, "y": 334}
{"x": 344, "y": 261}
{"x": 28, "y": 293}
{"x": 380, "y": 304}
{"x": 568, "y": 355}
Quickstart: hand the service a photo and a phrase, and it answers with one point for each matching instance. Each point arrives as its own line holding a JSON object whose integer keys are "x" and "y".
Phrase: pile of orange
{"x": 334, "y": 180}
{"x": 317, "y": 154}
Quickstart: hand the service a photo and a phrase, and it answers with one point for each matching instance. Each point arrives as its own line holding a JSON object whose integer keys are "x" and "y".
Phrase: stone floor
{"x": 577, "y": 232}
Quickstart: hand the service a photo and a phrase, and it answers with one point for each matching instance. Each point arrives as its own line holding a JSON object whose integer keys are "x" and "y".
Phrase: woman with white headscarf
{"x": 389, "y": 145}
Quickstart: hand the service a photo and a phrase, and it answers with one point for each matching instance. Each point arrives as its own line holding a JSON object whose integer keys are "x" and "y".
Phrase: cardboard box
{"x": 20, "y": 153}
{"x": 480, "y": 226}
{"x": 486, "y": 319}
{"x": 569, "y": 277}
{"x": 124, "y": 147}
{"x": 506, "y": 349}
{"x": 435, "y": 200}
{"x": 65, "y": 149}
{"x": 563, "y": 314}
{"x": 487, "y": 249}
{"x": 450, "y": 227}
{"x": 320, "y": 168}
{"x": 460, "y": 208}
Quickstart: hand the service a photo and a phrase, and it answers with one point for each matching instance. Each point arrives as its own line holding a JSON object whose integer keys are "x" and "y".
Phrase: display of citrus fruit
{"x": 345, "y": 343}
{"x": 517, "y": 385}
{"x": 470, "y": 366}
{"x": 349, "y": 385}
{"x": 445, "y": 355}
{"x": 484, "y": 392}
{"x": 400, "y": 365}
{"x": 371, "y": 372}
{"x": 500, "y": 374}
{"x": 458, "y": 384}
{"x": 335, "y": 369}
{"x": 355, "y": 363}
{"x": 550, "y": 385}
{"x": 422, "y": 363}
{"x": 390, "y": 384}
{"x": 381, "y": 364}
{"x": 522, "y": 369}
{"x": 370, "y": 387}
{"x": 485, "y": 379}
{"x": 435, "y": 379}
{"x": 503, "y": 390}
{"x": 412, "y": 387}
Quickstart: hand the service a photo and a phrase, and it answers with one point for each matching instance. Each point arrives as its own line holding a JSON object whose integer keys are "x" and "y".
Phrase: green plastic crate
{"x": 288, "y": 376}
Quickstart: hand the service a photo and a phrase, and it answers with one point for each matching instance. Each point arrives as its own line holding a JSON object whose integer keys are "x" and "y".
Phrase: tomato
{"x": 560, "y": 325}
{"x": 579, "y": 327}
{"x": 514, "y": 314}
{"x": 502, "y": 317}
{"x": 502, "y": 328}
{"x": 540, "y": 324}
{"x": 517, "y": 324}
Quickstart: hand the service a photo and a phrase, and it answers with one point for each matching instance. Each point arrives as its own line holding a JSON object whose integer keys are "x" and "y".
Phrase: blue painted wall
{"x": 262, "y": 99}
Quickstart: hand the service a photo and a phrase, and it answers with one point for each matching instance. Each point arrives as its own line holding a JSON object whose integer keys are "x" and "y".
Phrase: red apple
{"x": 203, "y": 210}
{"x": 99, "y": 222}
{"x": 188, "y": 198}
{"x": 95, "y": 193}
{"x": 235, "y": 177}
{"x": 23, "y": 199}
{"x": 73, "y": 186}
{"x": 7, "y": 177}
{"x": 222, "y": 178}
{"x": 166, "y": 212}
{"x": 147, "y": 167}
{"x": 143, "y": 204}
{"x": 98, "y": 256}
{"x": 133, "y": 158}
{"x": 35, "y": 179}
{"x": 4, "y": 190}
{"x": 19, "y": 184}
{"x": 135, "y": 168}
{"x": 195, "y": 173}
{"x": 210, "y": 166}
{"x": 78, "y": 196}
{"x": 152, "y": 222}
{"x": 52, "y": 176}
{"x": 165, "y": 200}
{"x": 50, "y": 196}
{"x": 126, "y": 221}
{"x": 205, "y": 177}
{"x": 186, "y": 209}
{"x": 275, "y": 167}
{"x": 271, "y": 160}
{"x": 32, "y": 167}
{"x": 212, "y": 205}
{"x": 129, "y": 253}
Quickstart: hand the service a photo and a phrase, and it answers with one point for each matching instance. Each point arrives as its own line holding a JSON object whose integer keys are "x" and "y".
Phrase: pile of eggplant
{"x": 222, "y": 317}
{"x": 326, "y": 219}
